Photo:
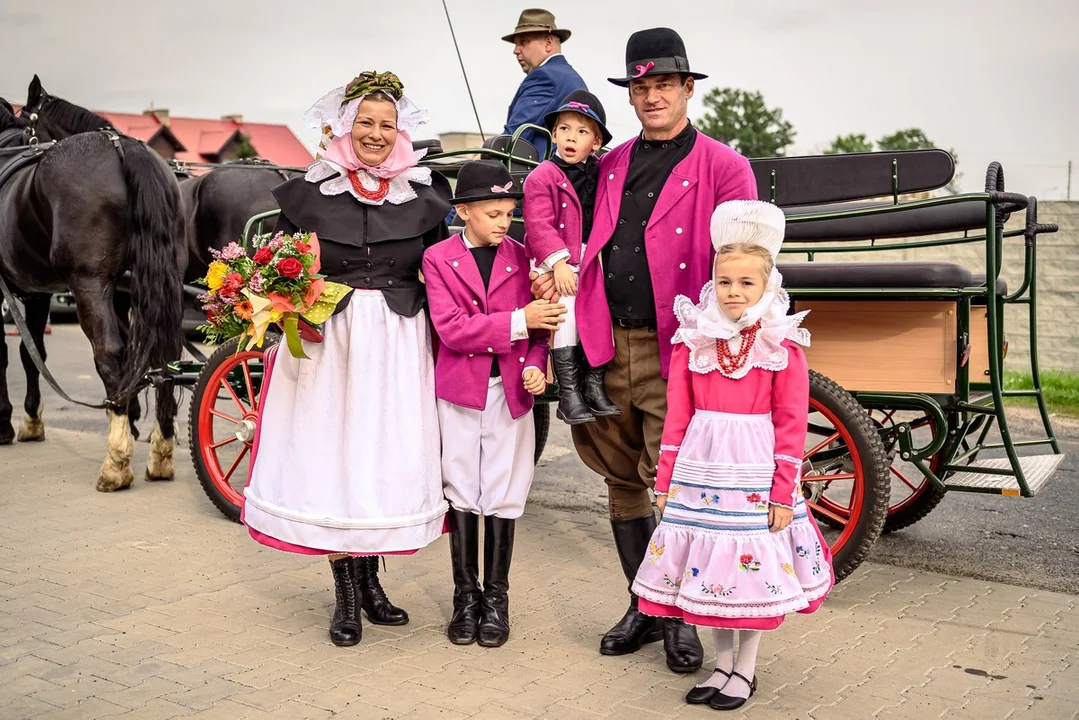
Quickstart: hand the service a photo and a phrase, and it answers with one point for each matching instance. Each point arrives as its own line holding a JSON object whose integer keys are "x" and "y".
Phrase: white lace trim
{"x": 767, "y": 352}
{"x": 790, "y": 459}
{"x": 401, "y": 190}
{"x": 670, "y": 448}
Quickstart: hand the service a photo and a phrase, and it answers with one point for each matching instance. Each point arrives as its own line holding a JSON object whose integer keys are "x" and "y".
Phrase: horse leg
{"x": 97, "y": 316}
{"x": 122, "y": 303}
{"x": 32, "y": 428}
{"x": 7, "y": 432}
{"x": 163, "y": 437}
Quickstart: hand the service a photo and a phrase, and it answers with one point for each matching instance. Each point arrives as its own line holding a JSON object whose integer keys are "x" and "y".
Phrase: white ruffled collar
{"x": 401, "y": 190}
{"x": 701, "y": 326}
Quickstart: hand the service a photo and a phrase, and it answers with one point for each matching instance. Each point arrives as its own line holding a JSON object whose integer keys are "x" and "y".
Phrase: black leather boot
{"x": 683, "y": 647}
{"x": 497, "y": 553}
{"x": 373, "y": 600}
{"x": 464, "y": 556}
{"x": 345, "y": 628}
{"x": 572, "y": 407}
{"x": 635, "y": 628}
{"x": 595, "y": 394}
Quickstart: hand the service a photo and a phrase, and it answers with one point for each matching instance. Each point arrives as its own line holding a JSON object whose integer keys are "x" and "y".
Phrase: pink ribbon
{"x": 502, "y": 188}
{"x": 642, "y": 69}
{"x": 578, "y": 106}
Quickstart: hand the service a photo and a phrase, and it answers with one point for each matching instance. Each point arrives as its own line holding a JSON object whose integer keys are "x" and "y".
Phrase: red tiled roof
{"x": 202, "y": 139}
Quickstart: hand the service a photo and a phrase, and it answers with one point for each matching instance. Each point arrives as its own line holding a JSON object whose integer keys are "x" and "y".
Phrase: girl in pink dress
{"x": 736, "y": 548}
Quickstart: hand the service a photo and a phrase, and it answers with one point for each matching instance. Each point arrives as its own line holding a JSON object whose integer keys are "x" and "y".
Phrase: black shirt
{"x": 628, "y": 282}
{"x": 485, "y": 261}
{"x": 584, "y": 177}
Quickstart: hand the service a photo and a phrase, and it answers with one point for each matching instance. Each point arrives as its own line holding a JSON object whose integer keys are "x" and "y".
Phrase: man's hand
{"x": 779, "y": 517}
{"x": 543, "y": 315}
{"x": 565, "y": 280}
{"x": 535, "y": 381}
{"x": 543, "y": 286}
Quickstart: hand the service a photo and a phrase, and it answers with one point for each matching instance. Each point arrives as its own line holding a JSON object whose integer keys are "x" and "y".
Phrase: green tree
{"x": 853, "y": 143}
{"x": 244, "y": 149}
{"x": 742, "y": 120}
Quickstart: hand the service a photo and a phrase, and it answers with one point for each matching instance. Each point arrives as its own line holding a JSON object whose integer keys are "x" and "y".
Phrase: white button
{"x": 475, "y": 302}
{"x": 561, "y": 225}
{"x": 611, "y": 176}
{"x": 678, "y": 231}
{"x": 470, "y": 354}
{"x": 681, "y": 266}
{"x": 563, "y": 184}
{"x": 509, "y": 269}
{"x": 563, "y": 204}
{"x": 521, "y": 359}
{"x": 455, "y": 263}
{"x": 685, "y": 183}
{"x": 490, "y": 350}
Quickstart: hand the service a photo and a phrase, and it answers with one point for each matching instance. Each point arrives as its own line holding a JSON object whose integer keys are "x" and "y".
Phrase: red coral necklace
{"x": 375, "y": 195}
{"x": 729, "y": 362}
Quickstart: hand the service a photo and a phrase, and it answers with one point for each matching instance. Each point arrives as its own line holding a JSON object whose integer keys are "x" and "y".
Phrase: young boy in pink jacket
{"x": 559, "y": 196}
{"x": 491, "y": 361}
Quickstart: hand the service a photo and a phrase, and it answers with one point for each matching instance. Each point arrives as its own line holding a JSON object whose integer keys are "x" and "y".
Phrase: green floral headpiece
{"x": 368, "y": 82}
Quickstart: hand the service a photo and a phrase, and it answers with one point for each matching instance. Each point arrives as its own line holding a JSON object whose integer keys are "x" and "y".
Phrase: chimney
{"x": 236, "y": 118}
{"x": 162, "y": 114}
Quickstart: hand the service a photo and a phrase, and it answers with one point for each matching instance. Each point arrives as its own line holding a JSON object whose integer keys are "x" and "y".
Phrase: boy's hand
{"x": 543, "y": 286}
{"x": 535, "y": 381}
{"x": 779, "y": 517}
{"x": 542, "y": 315}
{"x": 565, "y": 280}
{"x": 661, "y": 502}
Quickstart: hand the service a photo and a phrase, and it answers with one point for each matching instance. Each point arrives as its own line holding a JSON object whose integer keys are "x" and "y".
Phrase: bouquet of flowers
{"x": 279, "y": 285}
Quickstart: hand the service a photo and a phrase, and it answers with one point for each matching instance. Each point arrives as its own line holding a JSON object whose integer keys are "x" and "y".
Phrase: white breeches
{"x": 487, "y": 456}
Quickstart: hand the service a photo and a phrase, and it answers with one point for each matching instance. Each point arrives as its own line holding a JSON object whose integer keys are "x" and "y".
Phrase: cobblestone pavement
{"x": 148, "y": 604}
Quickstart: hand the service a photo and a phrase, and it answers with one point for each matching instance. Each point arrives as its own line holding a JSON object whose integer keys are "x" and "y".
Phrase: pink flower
{"x": 256, "y": 282}
{"x": 232, "y": 251}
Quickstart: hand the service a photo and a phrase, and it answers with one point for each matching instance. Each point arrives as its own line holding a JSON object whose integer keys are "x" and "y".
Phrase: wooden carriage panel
{"x": 979, "y": 344}
{"x": 884, "y": 345}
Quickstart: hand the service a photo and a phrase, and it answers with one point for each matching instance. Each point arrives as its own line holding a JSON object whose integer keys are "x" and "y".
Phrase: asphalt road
{"x": 1032, "y": 542}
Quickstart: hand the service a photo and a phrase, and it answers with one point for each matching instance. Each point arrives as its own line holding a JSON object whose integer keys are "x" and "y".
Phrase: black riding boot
{"x": 683, "y": 647}
{"x": 572, "y": 407}
{"x": 635, "y": 628}
{"x": 497, "y": 553}
{"x": 373, "y": 600}
{"x": 464, "y": 556}
{"x": 345, "y": 627}
{"x": 595, "y": 394}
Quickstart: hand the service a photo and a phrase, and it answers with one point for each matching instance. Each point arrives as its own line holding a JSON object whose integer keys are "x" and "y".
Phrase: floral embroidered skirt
{"x": 712, "y": 560}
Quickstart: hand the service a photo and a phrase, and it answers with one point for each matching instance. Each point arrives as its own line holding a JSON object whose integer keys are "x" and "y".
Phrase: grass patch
{"x": 1061, "y": 390}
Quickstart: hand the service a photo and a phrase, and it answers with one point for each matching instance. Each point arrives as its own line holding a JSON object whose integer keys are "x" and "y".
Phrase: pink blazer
{"x": 473, "y": 324}
{"x": 552, "y": 213}
{"x": 677, "y": 238}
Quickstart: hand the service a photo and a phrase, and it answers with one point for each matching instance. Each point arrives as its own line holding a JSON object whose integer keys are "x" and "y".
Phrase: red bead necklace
{"x": 375, "y": 195}
{"x": 729, "y": 362}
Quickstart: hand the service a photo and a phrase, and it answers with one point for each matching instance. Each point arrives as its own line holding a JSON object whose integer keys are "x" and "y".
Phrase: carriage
{"x": 907, "y": 397}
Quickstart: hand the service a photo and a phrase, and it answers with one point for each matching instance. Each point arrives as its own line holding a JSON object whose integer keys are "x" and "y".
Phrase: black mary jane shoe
{"x": 720, "y": 701}
{"x": 701, "y": 695}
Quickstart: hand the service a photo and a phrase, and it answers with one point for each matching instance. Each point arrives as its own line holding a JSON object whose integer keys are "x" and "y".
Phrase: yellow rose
{"x": 215, "y": 275}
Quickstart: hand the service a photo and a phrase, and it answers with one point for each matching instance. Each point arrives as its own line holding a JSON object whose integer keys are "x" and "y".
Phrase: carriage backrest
{"x": 821, "y": 179}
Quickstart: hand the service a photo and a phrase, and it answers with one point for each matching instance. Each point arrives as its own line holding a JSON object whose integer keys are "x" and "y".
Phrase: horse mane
{"x": 73, "y": 118}
{"x": 7, "y": 116}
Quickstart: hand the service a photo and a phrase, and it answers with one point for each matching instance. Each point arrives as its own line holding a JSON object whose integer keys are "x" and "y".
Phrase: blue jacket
{"x": 540, "y": 92}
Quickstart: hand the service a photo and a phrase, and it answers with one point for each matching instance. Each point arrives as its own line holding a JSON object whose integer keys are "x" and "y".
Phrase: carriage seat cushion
{"x": 904, "y": 274}
{"x": 1002, "y": 284}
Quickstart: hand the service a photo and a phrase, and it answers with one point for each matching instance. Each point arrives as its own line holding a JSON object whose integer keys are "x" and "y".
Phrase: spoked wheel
{"x": 913, "y": 495}
{"x": 847, "y": 486}
{"x": 224, "y": 412}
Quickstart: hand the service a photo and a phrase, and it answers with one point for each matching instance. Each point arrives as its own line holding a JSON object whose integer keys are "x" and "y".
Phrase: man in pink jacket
{"x": 649, "y": 243}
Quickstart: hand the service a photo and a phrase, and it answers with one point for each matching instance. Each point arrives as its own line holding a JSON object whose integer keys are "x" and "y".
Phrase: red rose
{"x": 263, "y": 256}
{"x": 303, "y": 248}
{"x": 290, "y": 268}
{"x": 232, "y": 285}
{"x": 745, "y": 559}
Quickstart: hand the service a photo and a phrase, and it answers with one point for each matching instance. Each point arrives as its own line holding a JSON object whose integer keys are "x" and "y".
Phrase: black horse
{"x": 93, "y": 208}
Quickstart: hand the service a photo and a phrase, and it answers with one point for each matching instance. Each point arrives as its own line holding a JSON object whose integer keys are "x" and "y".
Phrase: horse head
{"x": 53, "y": 118}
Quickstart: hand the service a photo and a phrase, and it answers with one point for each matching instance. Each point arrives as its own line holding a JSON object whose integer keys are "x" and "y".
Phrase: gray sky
{"x": 989, "y": 78}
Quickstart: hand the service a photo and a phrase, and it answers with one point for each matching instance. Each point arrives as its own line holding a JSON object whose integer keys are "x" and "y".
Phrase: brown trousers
{"x": 625, "y": 449}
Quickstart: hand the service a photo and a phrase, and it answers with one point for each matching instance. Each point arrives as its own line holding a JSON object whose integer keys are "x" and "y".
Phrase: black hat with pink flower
{"x": 656, "y": 51}
{"x": 484, "y": 180}
{"x": 584, "y": 103}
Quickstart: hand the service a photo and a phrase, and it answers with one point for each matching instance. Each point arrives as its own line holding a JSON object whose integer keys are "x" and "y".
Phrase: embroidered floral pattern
{"x": 717, "y": 590}
{"x": 707, "y": 499}
{"x": 801, "y": 552}
{"x": 787, "y": 569}
{"x": 774, "y": 589}
{"x": 748, "y": 564}
{"x": 672, "y": 582}
{"x": 673, "y": 492}
{"x": 655, "y": 552}
{"x": 757, "y": 501}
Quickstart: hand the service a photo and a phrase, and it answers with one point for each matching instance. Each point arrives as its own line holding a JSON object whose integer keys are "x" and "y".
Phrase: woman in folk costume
{"x": 346, "y": 460}
{"x": 736, "y": 548}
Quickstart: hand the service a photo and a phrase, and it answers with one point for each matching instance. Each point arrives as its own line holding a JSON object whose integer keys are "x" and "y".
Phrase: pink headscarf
{"x": 401, "y": 157}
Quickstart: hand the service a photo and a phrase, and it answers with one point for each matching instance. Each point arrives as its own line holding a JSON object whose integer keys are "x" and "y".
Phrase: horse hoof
{"x": 32, "y": 431}
{"x": 7, "y": 436}
{"x": 159, "y": 461}
{"x": 153, "y": 477}
{"x": 112, "y": 479}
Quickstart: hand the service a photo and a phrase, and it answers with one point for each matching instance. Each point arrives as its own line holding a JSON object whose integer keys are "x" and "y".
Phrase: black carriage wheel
{"x": 541, "y": 417}
{"x": 228, "y": 391}
{"x": 848, "y": 456}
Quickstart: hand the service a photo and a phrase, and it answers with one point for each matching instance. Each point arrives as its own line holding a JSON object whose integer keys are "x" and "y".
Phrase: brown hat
{"x": 537, "y": 20}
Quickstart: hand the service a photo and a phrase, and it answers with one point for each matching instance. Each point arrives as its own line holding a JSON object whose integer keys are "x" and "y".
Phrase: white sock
{"x": 724, "y": 658}
{"x": 749, "y": 642}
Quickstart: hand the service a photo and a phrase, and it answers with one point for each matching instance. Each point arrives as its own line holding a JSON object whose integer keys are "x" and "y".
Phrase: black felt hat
{"x": 584, "y": 103}
{"x": 656, "y": 51}
{"x": 484, "y": 180}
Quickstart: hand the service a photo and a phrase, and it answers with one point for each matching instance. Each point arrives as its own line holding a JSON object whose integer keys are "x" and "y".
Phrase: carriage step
{"x": 1037, "y": 469}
